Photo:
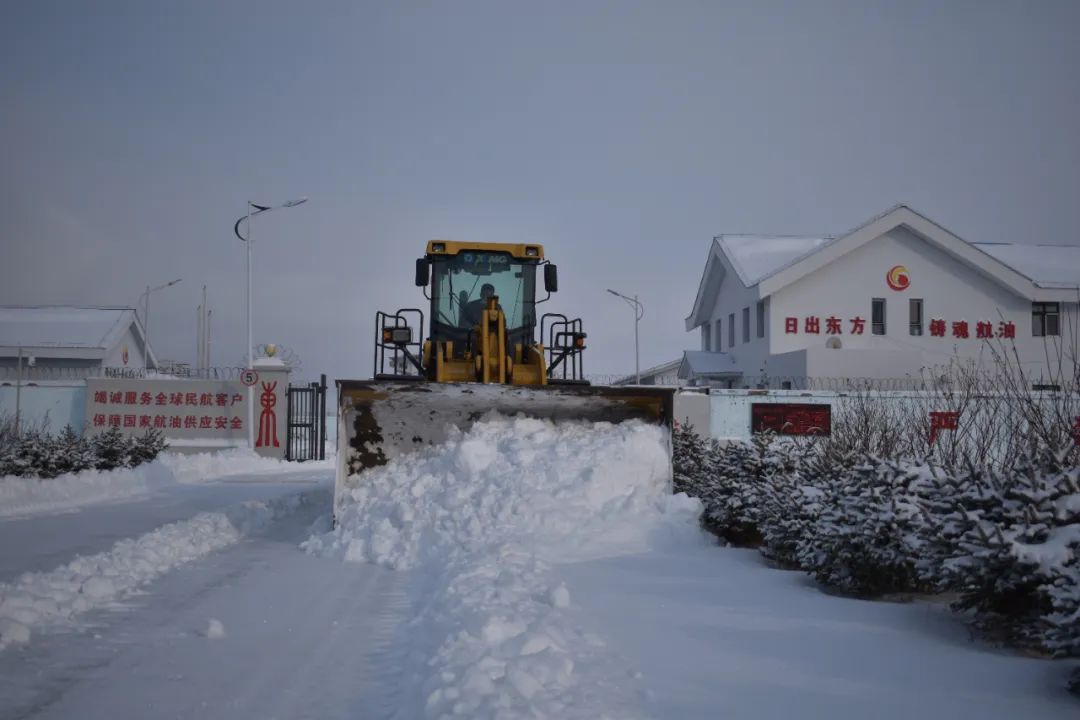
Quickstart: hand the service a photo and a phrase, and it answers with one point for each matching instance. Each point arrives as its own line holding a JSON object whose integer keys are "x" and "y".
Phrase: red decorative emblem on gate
{"x": 268, "y": 418}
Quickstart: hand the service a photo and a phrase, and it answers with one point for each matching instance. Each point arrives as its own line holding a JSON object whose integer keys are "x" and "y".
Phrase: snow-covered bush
{"x": 866, "y": 538}
{"x": 35, "y": 453}
{"x": 792, "y": 501}
{"x": 1015, "y": 539}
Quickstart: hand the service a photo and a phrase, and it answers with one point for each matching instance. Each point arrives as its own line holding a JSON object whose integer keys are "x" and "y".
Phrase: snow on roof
{"x": 702, "y": 362}
{"x": 1048, "y": 266}
{"x": 62, "y": 327}
{"x": 660, "y": 369}
{"x": 755, "y": 257}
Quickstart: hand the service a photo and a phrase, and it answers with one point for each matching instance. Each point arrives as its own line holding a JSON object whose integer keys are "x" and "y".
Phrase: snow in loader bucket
{"x": 380, "y": 420}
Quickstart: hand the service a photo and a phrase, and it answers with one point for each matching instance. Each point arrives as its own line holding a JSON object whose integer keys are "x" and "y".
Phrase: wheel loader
{"x": 476, "y": 347}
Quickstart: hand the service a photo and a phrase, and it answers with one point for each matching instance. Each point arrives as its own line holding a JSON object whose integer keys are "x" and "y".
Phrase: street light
{"x": 30, "y": 361}
{"x": 639, "y": 312}
{"x": 249, "y": 241}
{"x": 146, "y": 315}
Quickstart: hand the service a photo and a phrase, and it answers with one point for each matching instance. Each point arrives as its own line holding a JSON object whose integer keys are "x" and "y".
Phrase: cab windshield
{"x": 464, "y": 281}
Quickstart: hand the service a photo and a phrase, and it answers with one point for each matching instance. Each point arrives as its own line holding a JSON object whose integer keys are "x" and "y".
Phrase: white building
{"x": 69, "y": 341}
{"x": 893, "y": 297}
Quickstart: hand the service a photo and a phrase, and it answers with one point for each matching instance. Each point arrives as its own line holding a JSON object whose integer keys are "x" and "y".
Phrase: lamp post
{"x": 639, "y": 312}
{"x": 18, "y": 391}
{"x": 249, "y": 241}
{"x": 146, "y": 314}
{"x": 246, "y": 219}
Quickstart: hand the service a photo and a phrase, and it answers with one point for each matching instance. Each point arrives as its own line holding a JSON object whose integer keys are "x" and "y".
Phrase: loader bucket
{"x": 379, "y": 420}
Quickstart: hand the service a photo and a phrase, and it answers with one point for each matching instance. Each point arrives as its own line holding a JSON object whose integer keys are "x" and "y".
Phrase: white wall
{"x": 732, "y": 298}
{"x": 949, "y": 289}
{"x": 114, "y": 355}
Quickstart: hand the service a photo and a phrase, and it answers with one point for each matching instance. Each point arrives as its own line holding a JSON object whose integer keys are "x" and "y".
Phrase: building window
{"x": 761, "y": 318}
{"x": 717, "y": 337}
{"x": 706, "y": 344}
{"x": 915, "y": 316}
{"x": 746, "y": 324}
{"x": 1045, "y": 319}
{"x": 731, "y": 330}
{"x": 877, "y": 316}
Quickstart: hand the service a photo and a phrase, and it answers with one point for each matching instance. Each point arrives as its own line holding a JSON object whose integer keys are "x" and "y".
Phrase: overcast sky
{"x": 621, "y": 135}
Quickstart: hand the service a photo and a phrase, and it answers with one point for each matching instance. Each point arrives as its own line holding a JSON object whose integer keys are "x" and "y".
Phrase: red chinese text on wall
{"x": 177, "y": 399}
{"x": 167, "y": 422}
{"x": 982, "y": 330}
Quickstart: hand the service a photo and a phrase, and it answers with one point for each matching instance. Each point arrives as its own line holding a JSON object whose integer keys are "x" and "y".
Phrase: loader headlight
{"x": 438, "y": 247}
{"x": 532, "y": 252}
{"x": 397, "y": 335}
{"x": 579, "y": 340}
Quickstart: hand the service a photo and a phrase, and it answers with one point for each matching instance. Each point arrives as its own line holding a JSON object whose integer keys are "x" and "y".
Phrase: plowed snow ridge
{"x": 94, "y": 581}
{"x": 489, "y": 516}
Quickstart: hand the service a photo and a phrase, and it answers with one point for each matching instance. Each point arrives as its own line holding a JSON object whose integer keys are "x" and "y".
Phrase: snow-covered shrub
{"x": 866, "y": 538}
{"x": 691, "y": 461}
{"x": 147, "y": 446}
{"x": 112, "y": 449}
{"x": 35, "y": 453}
{"x": 1014, "y": 559}
{"x": 793, "y": 500}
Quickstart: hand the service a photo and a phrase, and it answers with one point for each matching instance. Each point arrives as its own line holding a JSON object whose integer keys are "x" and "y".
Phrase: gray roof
{"x": 700, "y": 363}
{"x": 756, "y": 257}
{"x": 66, "y": 327}
{"x": 661, "y": 369}
{"x": 1048, "y": 266}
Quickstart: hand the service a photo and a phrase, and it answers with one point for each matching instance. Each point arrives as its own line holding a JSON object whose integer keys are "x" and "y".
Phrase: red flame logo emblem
{"x": 897, "y": 278}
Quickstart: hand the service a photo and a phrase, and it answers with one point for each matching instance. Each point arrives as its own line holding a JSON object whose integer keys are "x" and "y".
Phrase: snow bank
{"x": 199, "y": 467}
{"x": 488, "y": 517}
{"x": 48, "y": 598}
{"x": 26, "y": 496}
{"x": 29, "y": 496}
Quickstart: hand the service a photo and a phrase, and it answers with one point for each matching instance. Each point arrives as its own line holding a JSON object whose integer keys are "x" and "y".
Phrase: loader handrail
{"x": 401, "y": 354}
{"x": 568, "y": 355}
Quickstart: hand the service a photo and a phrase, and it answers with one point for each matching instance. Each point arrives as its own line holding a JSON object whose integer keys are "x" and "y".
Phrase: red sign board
{"x": 791, "y": 418}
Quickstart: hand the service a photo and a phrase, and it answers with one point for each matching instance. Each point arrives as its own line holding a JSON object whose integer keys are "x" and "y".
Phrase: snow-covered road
{"x": 258, "y": 630}
{"x": 539, "y": 572}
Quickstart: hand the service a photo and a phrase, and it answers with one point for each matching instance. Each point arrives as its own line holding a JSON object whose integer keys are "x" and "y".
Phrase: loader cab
{"x": 462, "y": 275}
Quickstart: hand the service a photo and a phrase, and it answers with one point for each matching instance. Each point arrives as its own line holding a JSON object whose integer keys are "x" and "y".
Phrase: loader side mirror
{"x": 422, "y": 268}
{"x": 551, "y": 278}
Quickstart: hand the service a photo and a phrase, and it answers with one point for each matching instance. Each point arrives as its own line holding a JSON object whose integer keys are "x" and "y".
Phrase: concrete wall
{"x": 56, "y": 403}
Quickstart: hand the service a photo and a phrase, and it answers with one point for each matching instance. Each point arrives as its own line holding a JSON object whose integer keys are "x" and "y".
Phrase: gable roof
{"x": 655, "y": 370}
{"x": 702, "y": 363}
{"x": 1037, "y": 272}
{"x": 756, "y": 257}
{"x": 44, "y": 327}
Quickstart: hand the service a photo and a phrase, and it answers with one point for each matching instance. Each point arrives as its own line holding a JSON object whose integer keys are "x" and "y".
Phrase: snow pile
{"x": 25, "y": 496}
{"x": 47, "y": 598}
{"x": 199, "y": 467}
{"x": 28, "y": 496}
{"x": 490, "y": 515}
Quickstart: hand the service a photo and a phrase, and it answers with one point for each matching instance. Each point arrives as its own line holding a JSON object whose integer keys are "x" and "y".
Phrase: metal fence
{"x": 46, "y": 373}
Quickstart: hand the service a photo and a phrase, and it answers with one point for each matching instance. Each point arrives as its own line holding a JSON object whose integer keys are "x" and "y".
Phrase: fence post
{"x": 288, "y": 422}
{"x": 322, "y": 417}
